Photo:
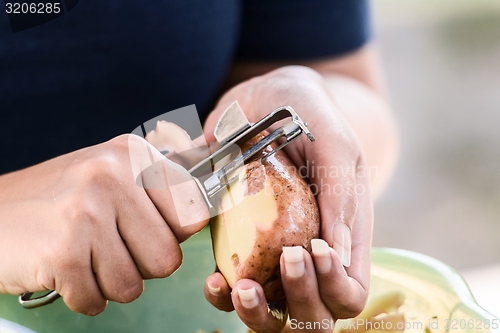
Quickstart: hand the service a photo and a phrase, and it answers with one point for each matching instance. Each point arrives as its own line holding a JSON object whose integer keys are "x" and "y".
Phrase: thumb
{"x": 170, "y": 188}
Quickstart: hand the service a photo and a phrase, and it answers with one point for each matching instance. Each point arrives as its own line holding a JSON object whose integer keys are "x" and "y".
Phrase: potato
{"x": 275, "y": 208}
{"x": 175, "y": 143}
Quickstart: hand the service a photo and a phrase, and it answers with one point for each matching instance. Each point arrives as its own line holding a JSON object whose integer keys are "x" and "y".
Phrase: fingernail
{"x": 294, "y": 261}
{"x": 342, "y": 242}
{"x": 248, "y": 298}
{"x": 212, "y": 290}
{"x": 321, "y": 252}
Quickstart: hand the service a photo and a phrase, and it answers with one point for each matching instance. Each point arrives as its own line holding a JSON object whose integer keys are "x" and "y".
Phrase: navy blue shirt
{"x": 105, "y": 67}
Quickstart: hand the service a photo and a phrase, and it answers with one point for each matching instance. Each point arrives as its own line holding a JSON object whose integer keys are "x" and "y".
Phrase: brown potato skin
{"x": 298, "y": 222}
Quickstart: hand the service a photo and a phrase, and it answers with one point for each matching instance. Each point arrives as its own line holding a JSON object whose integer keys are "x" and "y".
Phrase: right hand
{"x": 81, "y": 225}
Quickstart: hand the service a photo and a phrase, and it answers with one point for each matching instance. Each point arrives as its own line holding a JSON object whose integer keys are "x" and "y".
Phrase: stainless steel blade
{"x": 211, "y": 182}
{"x": 232, "y": 122}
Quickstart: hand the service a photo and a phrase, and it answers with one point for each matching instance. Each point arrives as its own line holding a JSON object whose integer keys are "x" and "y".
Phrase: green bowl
{"x": 177, "y": 304}
{"x": 436, "y": 296}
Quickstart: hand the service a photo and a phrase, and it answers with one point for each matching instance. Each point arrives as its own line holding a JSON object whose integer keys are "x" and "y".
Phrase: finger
{"x": 150, "y": 241}
{"x": 343, "y": 295}
{"x": 338, "y": 203}
{"x": 362, "y": 238}
{"x": 115, "y": 271}
{"x": 71, "y": 266}
{"x": 218, "y": 292}
{"x": 330, "y": 166}
{"x": 346, "y": 215}
{"x": 79, "y": 289}
{"x": 170, "y": 187}
{"x": 302, "y": 294}
{"x": 203, "y": 141}
{"x": 251, "y": 306}
{"x": 178, "y": 198}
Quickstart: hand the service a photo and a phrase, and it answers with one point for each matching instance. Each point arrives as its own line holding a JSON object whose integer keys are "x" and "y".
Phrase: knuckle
{"x": 189, "y": 230}
{"x": 300, "y": 299}
{"x": 346, "y": 194}
{"x": 64, "y": 255}
{"x": 346, "y": 307}
{"x": 223, "y": 305}
{"x": 351, "y": 198}
{"x": 88, "y": 308}
{"x": 120, "y": 139}
{"x": 287, "y": 86}
{"x": 124, "y": 144}
{"x": 109, "y": 161}
{"x": 291, "y": 81}
{"x": 78, "y": 208}
{"x": 82, "y": 298}
{"x": 68, "y": 262}
{"x": 129, "y": 291}
{"x": 100, "y": 169}
{"x": 297, "y": 72}
{"x": 349, "y": 311}
{"x": 79, "y": 211}
{"x": 45, "y": 280}
{"x": 89, "y": 203}
{"x": 167, "y": 264}
{"x": 344, "y": 304}
{"x": 222, "y": 302}
{"x": 95, "y": 309}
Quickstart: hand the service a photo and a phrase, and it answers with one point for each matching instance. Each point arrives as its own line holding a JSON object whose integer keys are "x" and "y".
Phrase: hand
{"x": 334, "y": 283}
{"x": 93, "y": 224}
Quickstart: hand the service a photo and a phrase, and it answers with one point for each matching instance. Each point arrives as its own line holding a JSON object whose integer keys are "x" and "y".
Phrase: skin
{"x": 71, "y": 223}
{"x": 343, "y": 103}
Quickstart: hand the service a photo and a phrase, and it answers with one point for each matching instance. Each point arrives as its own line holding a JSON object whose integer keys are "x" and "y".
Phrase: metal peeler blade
{"x": 232, "y": 131}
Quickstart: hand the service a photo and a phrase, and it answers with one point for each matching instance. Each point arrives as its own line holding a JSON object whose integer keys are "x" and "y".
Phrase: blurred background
{"x": 442, "y": 67}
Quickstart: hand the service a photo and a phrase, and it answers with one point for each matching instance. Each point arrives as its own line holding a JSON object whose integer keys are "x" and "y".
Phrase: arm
{"x": 343, "y": 103}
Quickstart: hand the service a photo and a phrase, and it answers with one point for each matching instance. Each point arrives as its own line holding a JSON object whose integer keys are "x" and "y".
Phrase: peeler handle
{"x": 30, "y": 303}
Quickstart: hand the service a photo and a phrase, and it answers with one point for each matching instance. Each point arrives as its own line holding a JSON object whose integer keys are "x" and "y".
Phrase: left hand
{"x": 335, "y": 282}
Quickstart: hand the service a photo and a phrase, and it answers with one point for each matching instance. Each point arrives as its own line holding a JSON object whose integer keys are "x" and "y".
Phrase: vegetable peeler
{"x": 232, "y": 131}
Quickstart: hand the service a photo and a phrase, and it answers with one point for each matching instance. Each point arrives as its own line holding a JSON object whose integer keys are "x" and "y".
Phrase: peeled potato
{"x": 175, "y": 143}
{"x": 268, "y": 207}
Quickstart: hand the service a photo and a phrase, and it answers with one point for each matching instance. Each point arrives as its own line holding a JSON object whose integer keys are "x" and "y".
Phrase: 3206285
{"x": 33, "y": 8}
{"x": 472, "y": 324}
